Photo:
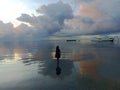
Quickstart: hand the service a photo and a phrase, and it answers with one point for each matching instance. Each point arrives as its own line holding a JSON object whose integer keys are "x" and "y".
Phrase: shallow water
{"x": 84, "y": 65}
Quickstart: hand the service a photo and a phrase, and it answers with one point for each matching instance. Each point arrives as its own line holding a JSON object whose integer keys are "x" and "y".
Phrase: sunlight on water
{"x": 17, "y": 57}
{"x": 84, "y": 65}
{"x": 7, "y": 61}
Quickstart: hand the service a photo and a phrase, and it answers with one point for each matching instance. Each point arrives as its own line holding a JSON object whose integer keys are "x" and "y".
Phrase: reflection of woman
{"x": 57, "y": 55}
{"x": 58, "y": 69}
{"x": 58, "y": 52}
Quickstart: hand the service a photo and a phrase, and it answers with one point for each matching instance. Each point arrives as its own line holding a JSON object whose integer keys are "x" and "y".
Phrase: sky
{"x": 22, "y": 19}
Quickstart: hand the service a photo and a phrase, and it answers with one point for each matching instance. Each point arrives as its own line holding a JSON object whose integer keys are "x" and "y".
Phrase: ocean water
{"x": 83, "y": 65}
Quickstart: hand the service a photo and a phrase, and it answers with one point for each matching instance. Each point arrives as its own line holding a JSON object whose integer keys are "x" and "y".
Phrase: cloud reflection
{"x": 96, "y": 64}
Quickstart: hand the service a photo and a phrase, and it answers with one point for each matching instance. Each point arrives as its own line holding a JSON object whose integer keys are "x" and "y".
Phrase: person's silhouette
{"x": 58, "y": 69}
{"x": 58, "y": 52}
{"x": 58, "y": 55}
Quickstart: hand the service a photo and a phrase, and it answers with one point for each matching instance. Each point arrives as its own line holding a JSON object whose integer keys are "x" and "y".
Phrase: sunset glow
{"x": 35, "y": 19}
{"x": 11, "y": 9}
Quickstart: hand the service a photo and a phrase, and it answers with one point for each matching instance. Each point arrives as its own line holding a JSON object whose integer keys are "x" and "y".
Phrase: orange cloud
{"x": 89, "y": 11}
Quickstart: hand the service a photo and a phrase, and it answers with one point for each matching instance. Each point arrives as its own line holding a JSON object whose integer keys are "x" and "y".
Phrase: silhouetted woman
{"x": 58, "y": 55}
{"x": 58, "y": 52}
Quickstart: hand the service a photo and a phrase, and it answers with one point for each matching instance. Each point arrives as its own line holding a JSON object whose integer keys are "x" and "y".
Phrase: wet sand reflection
{"x": 98, "y": 67}
{"x": 95, "y": 71}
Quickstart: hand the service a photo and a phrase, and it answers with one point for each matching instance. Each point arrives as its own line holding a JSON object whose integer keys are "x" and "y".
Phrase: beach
{"x": 85, "y": 65}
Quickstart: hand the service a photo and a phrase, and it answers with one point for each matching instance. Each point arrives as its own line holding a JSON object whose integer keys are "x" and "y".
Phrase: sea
{"x": 83, "y": 65}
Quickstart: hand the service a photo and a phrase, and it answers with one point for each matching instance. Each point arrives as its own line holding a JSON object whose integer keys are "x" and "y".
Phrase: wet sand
{"x": 84, "y": 66}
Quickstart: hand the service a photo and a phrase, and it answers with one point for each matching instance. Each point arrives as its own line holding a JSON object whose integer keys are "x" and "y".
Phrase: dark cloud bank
{"x": 58, "y": 19}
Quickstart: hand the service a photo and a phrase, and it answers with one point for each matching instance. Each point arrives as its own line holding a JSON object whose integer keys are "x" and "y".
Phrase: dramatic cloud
{"x": 77, "y": 26}
{"x": 74, "y": 17}
{"x": 94, "y": 17}
{"x": 51, "y": 18}
{"x": 6, "y": 30}
{"x": 23, "y": 30}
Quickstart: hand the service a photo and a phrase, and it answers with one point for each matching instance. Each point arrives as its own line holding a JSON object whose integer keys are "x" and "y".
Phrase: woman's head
{"x": 57, "y": 47}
